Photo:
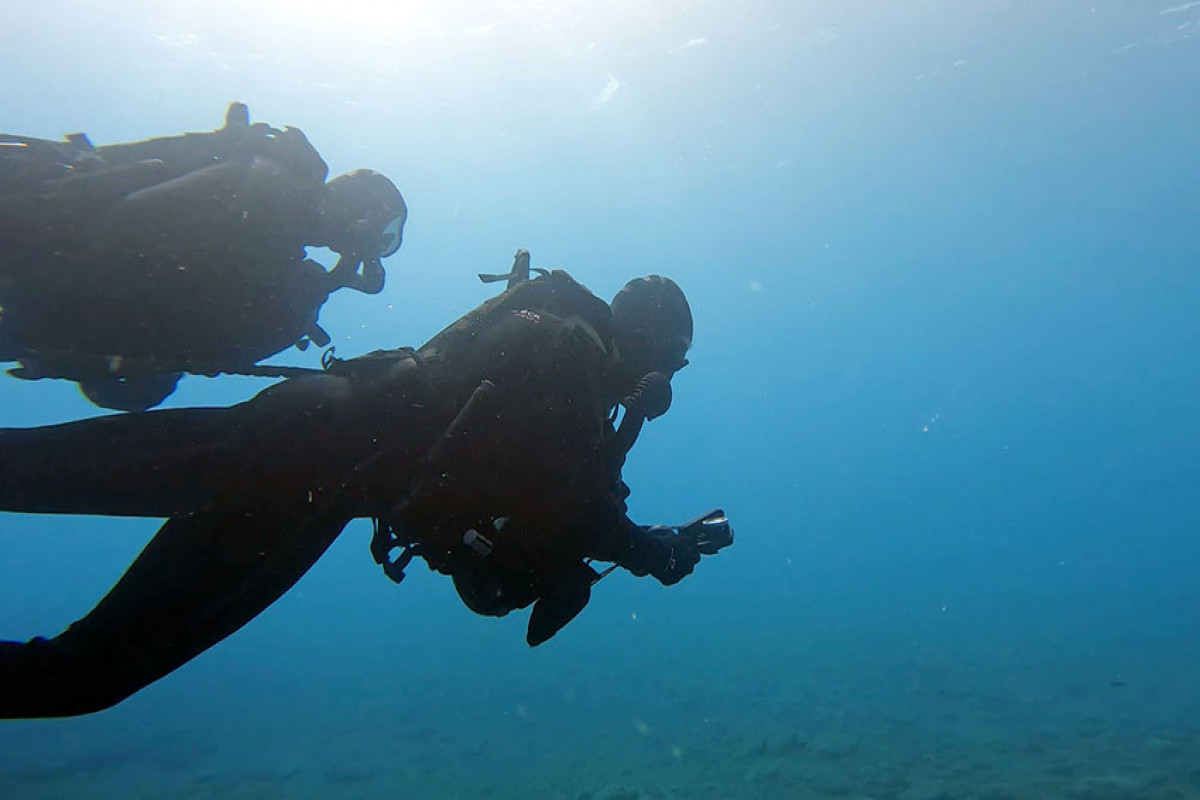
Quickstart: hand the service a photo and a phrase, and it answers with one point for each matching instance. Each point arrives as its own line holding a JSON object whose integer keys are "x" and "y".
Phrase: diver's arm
{"x": 655, "y": 550}
{"x": 201, "y": 578}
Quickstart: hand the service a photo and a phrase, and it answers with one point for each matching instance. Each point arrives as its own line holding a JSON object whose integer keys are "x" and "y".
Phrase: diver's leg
{"x": 201, "y": 578}
{"x": 151, "y": 464}
{"x": 288, "y": 439}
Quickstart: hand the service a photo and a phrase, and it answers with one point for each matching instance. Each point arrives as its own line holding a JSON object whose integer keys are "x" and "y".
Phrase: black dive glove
{"x": 674, "y": 556}
{"x": 671, "y": 553}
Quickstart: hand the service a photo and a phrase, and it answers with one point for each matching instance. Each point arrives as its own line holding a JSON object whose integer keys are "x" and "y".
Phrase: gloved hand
{"x": 675, "y": 556}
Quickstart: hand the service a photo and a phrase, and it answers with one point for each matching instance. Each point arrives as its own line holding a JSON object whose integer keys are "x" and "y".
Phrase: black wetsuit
{"x": 255, "y": 493}
{"x": 176, "y": 254}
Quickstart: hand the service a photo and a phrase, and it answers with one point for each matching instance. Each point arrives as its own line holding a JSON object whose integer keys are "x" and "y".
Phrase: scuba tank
{"x": 25, "y": 160}
{"x": 126, "y": 265}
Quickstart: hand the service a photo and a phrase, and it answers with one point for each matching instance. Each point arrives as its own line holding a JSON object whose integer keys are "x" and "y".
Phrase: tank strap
{"x": 361, "y": 366}
{"x": 34, "y": 367}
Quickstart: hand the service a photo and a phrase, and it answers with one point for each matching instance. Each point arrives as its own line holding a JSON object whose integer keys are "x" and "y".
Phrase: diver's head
{"x": 652, "y": 324}
{"x": 362, "y": 213}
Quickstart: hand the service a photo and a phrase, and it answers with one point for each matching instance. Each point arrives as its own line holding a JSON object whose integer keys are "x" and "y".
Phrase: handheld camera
{"x": 710, "y": 531}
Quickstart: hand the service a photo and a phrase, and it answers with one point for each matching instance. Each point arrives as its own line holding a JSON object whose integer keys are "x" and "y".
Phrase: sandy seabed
{"x": 909, "y": 732}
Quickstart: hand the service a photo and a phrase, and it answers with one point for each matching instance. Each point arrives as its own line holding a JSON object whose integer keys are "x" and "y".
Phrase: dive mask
{"x": 392, "y": 236}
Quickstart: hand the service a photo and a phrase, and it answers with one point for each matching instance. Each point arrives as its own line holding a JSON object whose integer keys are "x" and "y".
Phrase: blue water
{"x": 943, "y": 259}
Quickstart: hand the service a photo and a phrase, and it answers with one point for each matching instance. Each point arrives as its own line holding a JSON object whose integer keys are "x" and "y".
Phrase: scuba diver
{"x": 124, "y": 266}
{"x": 493, "y": 452}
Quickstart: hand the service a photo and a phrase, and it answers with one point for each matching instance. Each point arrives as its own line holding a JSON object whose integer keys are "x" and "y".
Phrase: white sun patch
{"x": 607, "y": 92}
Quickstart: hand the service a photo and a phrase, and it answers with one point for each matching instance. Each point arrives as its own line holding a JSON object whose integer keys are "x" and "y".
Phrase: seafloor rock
{"x": 833, "y": 747}
{"x": 831, "y": 783}
{"x": 613, "y": 792}
{"x": 768, "y": 772}
{"x": 926, "y": 790}
{"x": 998, "y": 791}
{"x": 1107, "y": 787}
{"x": 784, "y": 744}
{"x": 1164, "y": 747}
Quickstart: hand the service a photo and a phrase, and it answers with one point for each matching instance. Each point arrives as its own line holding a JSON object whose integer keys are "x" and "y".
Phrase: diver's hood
{"x": 363, "y": 213}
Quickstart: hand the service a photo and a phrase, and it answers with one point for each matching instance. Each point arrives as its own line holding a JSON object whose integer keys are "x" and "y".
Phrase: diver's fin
{"x": 563, "y": 596}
